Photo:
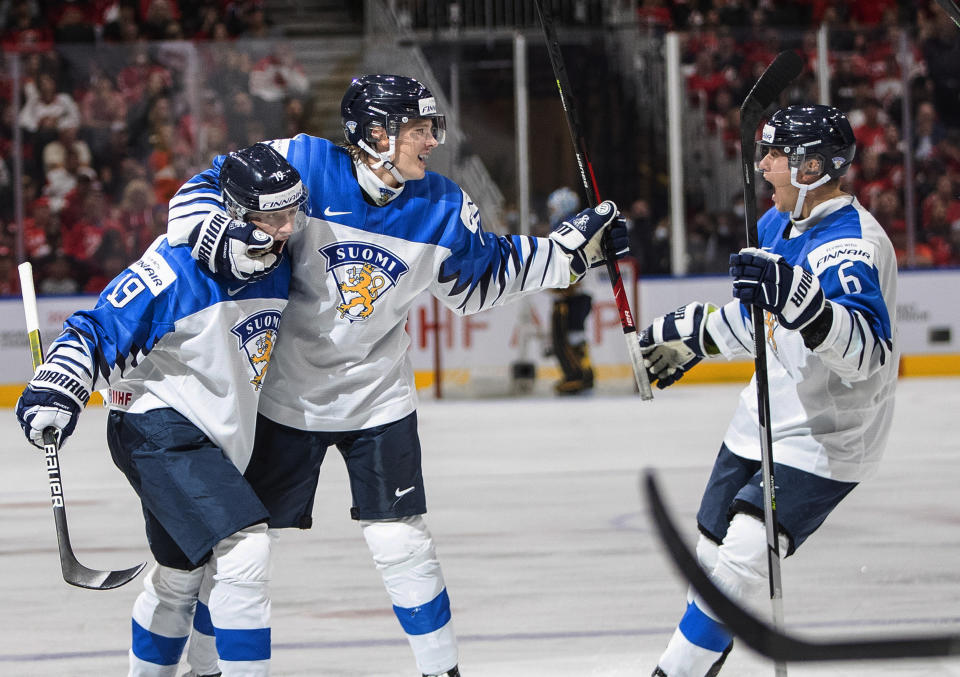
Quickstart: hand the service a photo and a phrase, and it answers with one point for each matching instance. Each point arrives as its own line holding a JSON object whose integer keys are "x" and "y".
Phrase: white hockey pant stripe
{"x": 161, "y": 620}
{"x": 240, "y": 602}
{"x": 404, "y": 553}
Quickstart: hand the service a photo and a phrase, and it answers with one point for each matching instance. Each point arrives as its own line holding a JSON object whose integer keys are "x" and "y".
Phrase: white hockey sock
{"x": 161, "y": 620}
{"x": 404, "y": 553}
{"x": 240, "y": 603}
{"x": 202, "y": 649}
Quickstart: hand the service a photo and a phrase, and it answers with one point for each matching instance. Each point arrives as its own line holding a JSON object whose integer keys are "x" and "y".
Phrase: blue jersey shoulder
{"x": 421, "y": 213}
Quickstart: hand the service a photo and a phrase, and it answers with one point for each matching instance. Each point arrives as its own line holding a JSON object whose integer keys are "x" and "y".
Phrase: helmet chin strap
{"x": 803, "y": 188}
{"x": 385, "y": 158}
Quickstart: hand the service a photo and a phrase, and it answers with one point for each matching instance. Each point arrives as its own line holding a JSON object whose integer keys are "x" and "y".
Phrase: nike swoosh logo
{"x": 400, "y": 494}
{"x": 234, "y": 292}
{"x": 329, "y": 212}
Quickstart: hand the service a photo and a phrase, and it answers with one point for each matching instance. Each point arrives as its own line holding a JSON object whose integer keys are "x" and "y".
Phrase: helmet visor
{"x": 280, "y": 223}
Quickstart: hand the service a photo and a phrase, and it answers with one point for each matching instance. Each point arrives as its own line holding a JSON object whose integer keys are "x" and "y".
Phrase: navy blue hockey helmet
{"x": 386, "y": 101}
{"x": 813, "y": 131}
{"x": 259, "y": 179}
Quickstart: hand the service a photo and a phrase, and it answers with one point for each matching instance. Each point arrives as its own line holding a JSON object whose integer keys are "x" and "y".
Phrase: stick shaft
{"x": 589, "y": 181}
{"x": 784, "y": 68}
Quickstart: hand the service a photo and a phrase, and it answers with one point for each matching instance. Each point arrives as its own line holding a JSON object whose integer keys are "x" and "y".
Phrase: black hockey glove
{"x": 233, "y": 251}
{"x": 766, "y": 280}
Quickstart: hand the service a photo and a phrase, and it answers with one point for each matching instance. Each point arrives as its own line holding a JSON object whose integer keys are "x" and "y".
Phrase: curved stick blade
{"x": 76, "y": 574}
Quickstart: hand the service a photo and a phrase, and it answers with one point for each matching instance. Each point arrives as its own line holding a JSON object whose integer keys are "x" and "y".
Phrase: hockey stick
{"x": 74, "y": 573}
{"x": 950, "y": 8}
{"x": 764, "y": 638}
{"x": 767, "y": 89}
{"x": 593, "y": 198}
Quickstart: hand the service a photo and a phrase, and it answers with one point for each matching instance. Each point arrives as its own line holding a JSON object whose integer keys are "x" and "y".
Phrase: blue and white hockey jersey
{"x": 341, "y": 362}
{"x": 164, "y": 334}
{"x": 830, "y": 409}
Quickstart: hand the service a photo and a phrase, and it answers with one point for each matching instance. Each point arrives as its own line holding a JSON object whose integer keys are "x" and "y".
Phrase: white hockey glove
{"x": 233, "y": 251}
{"x": 676, "y": 342}
{"x": 766, "y": 280}
{"x": 581, "y": 237}
{"x": 53, "y": 398}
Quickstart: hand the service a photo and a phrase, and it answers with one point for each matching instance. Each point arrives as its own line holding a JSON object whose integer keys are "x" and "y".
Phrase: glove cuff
{"x": 578, "y": 263}
{"x": 51, "y": 376}
{"x": 206, "y": 238}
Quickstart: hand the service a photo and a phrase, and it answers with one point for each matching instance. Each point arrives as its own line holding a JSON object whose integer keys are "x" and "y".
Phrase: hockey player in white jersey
{"x": 826, "y": 279}
{"x": 382, "y": 230}
{"x": 183, "y": 355}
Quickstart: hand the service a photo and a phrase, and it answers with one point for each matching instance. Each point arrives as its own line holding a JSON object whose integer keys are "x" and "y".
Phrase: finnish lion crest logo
{"x": 256, "y": 336}
{"x": 364, "y": 273}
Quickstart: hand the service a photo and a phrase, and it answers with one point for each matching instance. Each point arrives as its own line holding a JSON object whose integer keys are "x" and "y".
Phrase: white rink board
{"x": 494, "y": 339}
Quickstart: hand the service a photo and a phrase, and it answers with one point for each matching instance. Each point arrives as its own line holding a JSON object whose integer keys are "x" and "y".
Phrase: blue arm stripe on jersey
{"x": 546, "y": 266}
{"x": 204, "y": 198}
{"x": 526, "y": 264}
{"x": 863, "y": 338}
{"x": 76, "y": 368}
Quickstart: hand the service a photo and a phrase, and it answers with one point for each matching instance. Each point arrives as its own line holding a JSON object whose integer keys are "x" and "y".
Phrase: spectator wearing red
{"x": 870, "y": 180}
{"x": 889, "y": 211}
{"x": 870, "y": 133}
{"x": 941, "y": 207}
{"x": 142, "y": 77}
{"x": 9, "y": 277}
{"x": 83, "y": 239}
{"x": 705, "y": 80}
{"x": 41, "y": 230}
{"x": 654, "y": 14}
{"x": 278, "y": 76}
{"x": 136, "y": 215}
{"x": 869, "y": 12}
{"x": 101, "y": 108}
{"x": 26, "y": 30}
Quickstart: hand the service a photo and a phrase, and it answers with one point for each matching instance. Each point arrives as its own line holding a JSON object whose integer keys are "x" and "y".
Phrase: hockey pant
{"x": 739, "y": 568}
{"x": 404, "y": 553}
{"x": 225, "y": 601}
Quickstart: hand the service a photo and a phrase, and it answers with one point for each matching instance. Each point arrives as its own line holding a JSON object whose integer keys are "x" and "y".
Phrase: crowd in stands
{"x": 727, "y": 45}
{"x": 119, "y": 103}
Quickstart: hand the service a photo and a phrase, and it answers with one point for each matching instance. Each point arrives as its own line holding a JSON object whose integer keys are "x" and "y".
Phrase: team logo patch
{"x": 256, "y": 337}
{"x": 364, "y": 273}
